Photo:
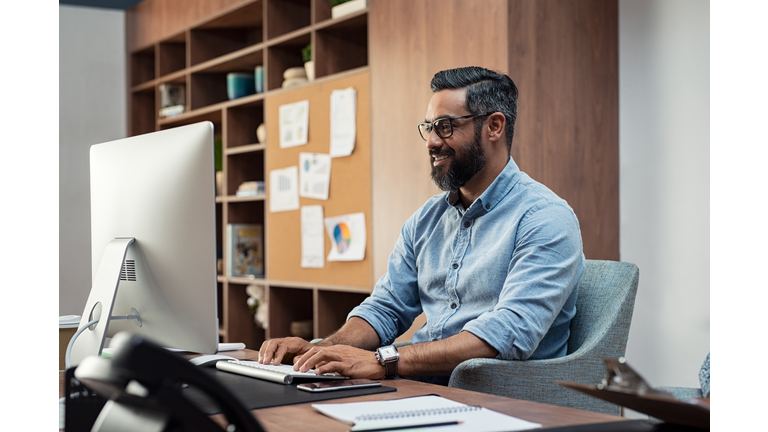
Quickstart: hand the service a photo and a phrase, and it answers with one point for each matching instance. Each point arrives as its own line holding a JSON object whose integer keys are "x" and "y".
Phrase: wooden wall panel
{"x": 153, "y": 20}
{"x": 563, "y": 56}
{"x": 409, "y": 41}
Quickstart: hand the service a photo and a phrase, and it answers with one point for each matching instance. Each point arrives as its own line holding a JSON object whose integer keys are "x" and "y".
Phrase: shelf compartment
{"x": 342, "y": 45}
{"x": 242, "y": 167}
{"x": 241, "y": 325}
{"x": 172, "y": 55}
{"x": 321, "y": 11}
{"x": 143, "y": 109}
{"x": 287, "y": 305}
{"x": 285, "y": 16}
{"x": 143, "y": 66}
{"x": 246, "y": 212}
{"x": 284, "y": 55}
{"x": 242, "y": 123}
{"x": 230, "y": 32}
{"x": 208, "y": 88}
{"x": 333, "y": 308}
{"x": 213, "y": 116}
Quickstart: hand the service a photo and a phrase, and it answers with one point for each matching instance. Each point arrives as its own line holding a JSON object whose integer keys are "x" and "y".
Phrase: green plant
{"x": 337, "y": 2}
{"x": 306, "y": 53}
{"x": 217, "y": 159}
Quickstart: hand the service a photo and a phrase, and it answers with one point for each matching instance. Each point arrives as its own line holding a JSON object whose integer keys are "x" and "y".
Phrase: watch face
{"x": 388, "y": 351}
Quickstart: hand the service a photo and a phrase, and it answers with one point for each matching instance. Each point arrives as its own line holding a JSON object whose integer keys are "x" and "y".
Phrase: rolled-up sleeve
{"x": 394, "y": 303}
{"x": 541, "y": 278}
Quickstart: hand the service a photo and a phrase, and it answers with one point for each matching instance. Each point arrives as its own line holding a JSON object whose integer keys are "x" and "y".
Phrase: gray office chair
{"x": 599, "y": 330}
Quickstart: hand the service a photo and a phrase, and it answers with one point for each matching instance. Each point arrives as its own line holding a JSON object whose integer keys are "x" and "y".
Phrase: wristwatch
{"x": 388, "y": 356}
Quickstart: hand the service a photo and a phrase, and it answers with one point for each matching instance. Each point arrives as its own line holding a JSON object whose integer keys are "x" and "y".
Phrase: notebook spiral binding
{"x": 416, "y": 413}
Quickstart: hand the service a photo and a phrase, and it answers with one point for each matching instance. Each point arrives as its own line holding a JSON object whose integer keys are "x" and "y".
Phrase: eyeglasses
{"x": 443, "y": 126}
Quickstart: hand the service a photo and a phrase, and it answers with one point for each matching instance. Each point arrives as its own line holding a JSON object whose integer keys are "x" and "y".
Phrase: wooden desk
{"x": 303, "y": 417}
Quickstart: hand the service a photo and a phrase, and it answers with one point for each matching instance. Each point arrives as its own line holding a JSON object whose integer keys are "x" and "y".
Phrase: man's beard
{"x": 465, "y": 163}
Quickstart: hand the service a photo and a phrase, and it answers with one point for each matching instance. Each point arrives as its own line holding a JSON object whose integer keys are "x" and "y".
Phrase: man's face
{"x": 456, "y": 159}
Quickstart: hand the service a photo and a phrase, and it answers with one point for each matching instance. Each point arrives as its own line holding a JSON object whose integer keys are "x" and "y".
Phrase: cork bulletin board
{"x": 350, "y": 184}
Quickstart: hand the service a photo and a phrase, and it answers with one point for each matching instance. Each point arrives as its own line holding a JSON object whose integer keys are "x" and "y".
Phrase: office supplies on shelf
{"x": 420, "y": 411}
{"x": 281, "y": 374}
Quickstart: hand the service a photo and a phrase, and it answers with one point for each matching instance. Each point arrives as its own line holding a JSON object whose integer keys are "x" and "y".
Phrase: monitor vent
{"x": 129, "y": 271}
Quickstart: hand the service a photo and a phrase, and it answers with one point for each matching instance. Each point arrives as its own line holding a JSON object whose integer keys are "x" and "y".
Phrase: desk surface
{"x": 303, "y": 417}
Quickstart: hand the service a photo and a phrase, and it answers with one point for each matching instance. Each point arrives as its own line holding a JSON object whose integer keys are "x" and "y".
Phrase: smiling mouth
{"x": 437, "y": 158}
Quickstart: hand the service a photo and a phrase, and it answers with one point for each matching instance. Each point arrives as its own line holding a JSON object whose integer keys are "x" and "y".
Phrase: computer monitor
{"x": 153, "y": 241}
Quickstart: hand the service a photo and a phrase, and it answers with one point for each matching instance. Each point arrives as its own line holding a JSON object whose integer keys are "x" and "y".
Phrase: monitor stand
{"x": 101, "y": 300}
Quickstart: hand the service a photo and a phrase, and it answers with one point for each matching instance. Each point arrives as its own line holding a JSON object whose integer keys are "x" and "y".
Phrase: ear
{"x": 496, "y": 126}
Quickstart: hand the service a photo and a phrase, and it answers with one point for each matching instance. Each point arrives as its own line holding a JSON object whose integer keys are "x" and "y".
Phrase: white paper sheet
{"x": 284, "y": 189}
{"x": 343, "y": 115}
{"x": 312, "y": 237}
{"x": 294, "y": 124}
{"x": 314, "y": 175}
{"x": 423, "y": 410}
{"x": 347, "y": 235}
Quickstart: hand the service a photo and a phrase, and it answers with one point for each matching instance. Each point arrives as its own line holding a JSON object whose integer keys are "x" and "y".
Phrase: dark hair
{"x": 487, "y": 91}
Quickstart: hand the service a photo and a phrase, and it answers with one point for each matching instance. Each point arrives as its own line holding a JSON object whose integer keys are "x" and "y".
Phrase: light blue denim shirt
{"x": 505, "y": 270}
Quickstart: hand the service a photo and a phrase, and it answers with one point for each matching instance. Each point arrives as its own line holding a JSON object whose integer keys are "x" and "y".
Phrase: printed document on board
{"x": 343, "y": 117}
{"x": 284, "y": 189}
{"x": 312, "y": 237}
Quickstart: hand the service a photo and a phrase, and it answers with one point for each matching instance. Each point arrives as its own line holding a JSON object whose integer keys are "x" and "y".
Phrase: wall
{"x": 92, "y": 109}
{"x": 664, "y": 183}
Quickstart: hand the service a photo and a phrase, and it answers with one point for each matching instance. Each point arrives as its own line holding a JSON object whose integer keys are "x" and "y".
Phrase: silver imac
{"x": 153, "y": 242}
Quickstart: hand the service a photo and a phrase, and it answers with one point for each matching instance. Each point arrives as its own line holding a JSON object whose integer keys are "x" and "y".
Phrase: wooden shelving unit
{"x": 270, "y": 33}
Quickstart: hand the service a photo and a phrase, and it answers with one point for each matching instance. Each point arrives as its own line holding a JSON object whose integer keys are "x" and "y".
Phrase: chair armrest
{"x": 682, "y": 393}
{"x": 534, "y": 380}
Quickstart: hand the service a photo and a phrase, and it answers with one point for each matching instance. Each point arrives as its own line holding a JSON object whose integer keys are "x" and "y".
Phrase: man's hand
{"x": 273, "y": 350}
{"x": 343, "y": 359}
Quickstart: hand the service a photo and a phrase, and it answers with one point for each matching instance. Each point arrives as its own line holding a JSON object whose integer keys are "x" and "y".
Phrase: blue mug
{"x": 239, "y": 85}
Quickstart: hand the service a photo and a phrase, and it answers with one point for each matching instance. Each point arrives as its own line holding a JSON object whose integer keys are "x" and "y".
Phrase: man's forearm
{"x": 357, "y": 333}
{"x": 441, "y": 357}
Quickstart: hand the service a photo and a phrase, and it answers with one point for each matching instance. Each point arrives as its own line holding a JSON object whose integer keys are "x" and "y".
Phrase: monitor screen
{"x": 153, "y": 241}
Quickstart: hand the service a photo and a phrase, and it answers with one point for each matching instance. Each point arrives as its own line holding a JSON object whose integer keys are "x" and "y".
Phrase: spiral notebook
{"x": 423, "y": 411}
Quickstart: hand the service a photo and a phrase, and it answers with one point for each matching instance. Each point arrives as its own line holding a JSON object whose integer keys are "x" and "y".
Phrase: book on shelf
{"x": 250, "y": 188}
{"x": 246, "y": 250}
{"x": 423, "y": 411}
{"x": 171, "y": 111}
{"x": 281, "y": 374}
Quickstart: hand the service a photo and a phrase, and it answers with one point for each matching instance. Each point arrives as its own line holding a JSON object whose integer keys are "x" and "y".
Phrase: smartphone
{"x": 325, "y": 386}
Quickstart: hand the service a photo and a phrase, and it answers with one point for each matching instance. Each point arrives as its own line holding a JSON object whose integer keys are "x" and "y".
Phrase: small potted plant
{"x": 309, "y": 64}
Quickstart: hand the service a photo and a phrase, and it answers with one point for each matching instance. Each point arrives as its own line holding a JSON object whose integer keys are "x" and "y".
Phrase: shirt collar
{"x": 500, "y": 187}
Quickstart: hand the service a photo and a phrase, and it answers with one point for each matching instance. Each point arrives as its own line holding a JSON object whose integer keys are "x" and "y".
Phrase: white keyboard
{"x": 283, "y": 374}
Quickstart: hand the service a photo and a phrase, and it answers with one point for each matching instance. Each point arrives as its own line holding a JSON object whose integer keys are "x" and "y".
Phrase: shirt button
{"x": 487, "y": 206}
{"x": 455, "y": 265}
{"x": 467, "y": 224}
{"x": 453, "y": 305}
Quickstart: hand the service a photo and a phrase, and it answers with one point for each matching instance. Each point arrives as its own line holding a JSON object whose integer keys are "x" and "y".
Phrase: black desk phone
{"x": 143, "y": 384}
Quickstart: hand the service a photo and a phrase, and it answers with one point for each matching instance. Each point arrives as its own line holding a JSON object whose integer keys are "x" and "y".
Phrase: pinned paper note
{"x": 294, "y": 124}
{"x": 314, "y": 175}
{"x": 347, "y": 235}
{"x": 284, "y": 189}
{"x": 343, "y": 117}
{"x": 312, "y": 237}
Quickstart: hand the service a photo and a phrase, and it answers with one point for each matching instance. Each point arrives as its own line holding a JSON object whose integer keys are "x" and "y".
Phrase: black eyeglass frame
{"x": 431, "y": 125}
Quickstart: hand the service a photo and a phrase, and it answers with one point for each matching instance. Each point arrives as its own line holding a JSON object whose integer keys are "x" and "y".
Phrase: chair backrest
{"x": 604, "y": 308}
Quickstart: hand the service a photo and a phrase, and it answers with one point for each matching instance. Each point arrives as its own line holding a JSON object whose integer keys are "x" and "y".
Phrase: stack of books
{"x": 250, "y": 188}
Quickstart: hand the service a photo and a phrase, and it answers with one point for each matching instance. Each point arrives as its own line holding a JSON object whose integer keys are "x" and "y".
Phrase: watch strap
{"x": 391, "y": 369}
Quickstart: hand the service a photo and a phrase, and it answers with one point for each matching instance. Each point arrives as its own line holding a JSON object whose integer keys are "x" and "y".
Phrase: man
{"x": 493, "y": 262}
